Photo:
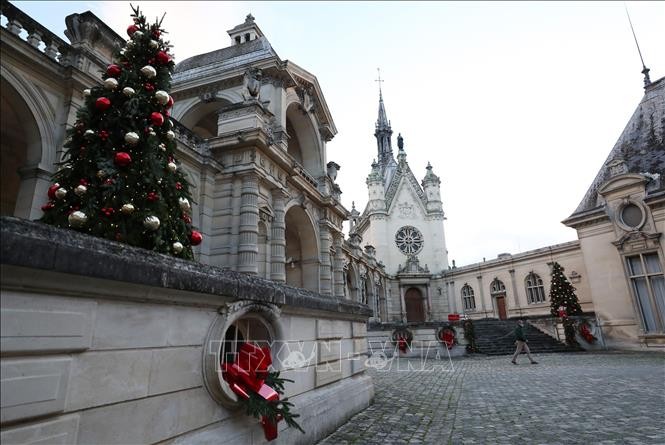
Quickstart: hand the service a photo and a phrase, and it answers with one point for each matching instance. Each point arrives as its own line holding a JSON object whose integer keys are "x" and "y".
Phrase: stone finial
{"x": 249, "y": 19}
{"x": 430, "y": 177}
{"x": 332, "y": 169}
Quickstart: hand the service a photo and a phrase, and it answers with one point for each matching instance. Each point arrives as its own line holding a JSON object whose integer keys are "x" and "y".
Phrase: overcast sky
{"x": 516, "y": 105}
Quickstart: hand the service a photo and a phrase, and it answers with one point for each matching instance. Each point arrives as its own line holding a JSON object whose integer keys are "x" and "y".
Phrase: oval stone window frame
{"x": 232, "y": 316}
{"x": 620, "y": 218}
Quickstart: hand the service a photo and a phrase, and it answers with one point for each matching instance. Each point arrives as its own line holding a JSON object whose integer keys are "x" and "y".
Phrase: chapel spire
{"x": 383, "y": 132}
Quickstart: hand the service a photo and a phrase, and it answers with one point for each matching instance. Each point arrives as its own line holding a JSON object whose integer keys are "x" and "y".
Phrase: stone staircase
{"x": 495, "y": 337}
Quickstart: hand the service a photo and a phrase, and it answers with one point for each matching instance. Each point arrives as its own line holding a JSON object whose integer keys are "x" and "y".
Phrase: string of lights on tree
{"x": 562, "y": 294}
{"x": 119, "y": 178}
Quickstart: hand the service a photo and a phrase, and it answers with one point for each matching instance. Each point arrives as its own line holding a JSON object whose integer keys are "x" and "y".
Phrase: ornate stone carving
{"x": 252, "y": 83}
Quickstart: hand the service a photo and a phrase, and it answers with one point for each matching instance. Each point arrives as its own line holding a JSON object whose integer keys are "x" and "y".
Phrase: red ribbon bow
{"x": 248, "y": 373}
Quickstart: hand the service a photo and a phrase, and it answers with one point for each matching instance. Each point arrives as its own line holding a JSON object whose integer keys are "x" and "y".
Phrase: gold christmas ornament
{"x": 101, "y": 174}
{"x": 151, "y": 222}
{"x": 60, "y": 193}
{"x": 163, "y": 147}
{"x": 77, "y": 219}
{"x": 137, "y": 35}
{"x": 177, "y": 247}
{"x": 185, "y": 206}
{"x": 154, "y": 44}
{"x": 128, "y": 91}
{"x": 162, "y": 97}
{"x": 127, "y": 209}
{"x": 110, "y": 83}
{"x": 170, "y": 135}
{"x": 148, "y": 71}
{"x": 132, "y": 138}
{"x": 80, "y": 190}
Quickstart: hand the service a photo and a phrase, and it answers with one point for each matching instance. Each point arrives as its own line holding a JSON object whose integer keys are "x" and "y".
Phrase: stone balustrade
{"x": 302, "y": 172}
{"x": 191, "y": 140}
{"x": 54, "y": 47}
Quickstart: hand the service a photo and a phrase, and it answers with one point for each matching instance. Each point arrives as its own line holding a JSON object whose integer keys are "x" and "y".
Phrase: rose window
{"x": 409, "y": 240}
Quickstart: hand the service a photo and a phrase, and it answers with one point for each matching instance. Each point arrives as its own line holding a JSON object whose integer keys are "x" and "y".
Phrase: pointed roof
{"x": 382, "y": 122}
{"x": 639, "y": 149}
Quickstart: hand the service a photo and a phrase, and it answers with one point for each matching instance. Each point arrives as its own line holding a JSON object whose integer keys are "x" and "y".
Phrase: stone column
{"x": 338, "y": 266}
{"x": 481, "y": 293}
{"x": 428, "y": 304}
{"x": 514, "y": 286}
{"x": 452, "y": 298}
{"x": 325, "y": 277}
{"x": 278, "y": 239}
{"x": 249, "y": 224}
{"x": 402, "y": 304}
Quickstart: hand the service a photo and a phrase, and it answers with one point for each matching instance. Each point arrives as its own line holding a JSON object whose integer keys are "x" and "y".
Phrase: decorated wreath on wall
{"x": 584, "y": 329}
{"x": 402, "y": 338}
{"x": 446, "y": 335}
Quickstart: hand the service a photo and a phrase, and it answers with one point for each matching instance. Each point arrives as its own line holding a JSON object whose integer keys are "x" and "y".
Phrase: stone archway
{"x": 20, "y": 148}
{"x": 302, "y": 251}
{"x": 304, "y": 144}
{"x": 413, "y": 302}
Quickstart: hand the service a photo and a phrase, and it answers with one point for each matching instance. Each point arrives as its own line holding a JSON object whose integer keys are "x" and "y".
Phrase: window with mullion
{"x": 648, "y": 286}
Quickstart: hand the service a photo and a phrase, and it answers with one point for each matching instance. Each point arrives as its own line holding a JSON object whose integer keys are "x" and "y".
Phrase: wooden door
{"x": 413, "y": 299}
{"x": 501, "y": 305}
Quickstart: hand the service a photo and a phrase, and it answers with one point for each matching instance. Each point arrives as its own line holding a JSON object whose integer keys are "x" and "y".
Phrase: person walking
{"x": 520, "y": 341}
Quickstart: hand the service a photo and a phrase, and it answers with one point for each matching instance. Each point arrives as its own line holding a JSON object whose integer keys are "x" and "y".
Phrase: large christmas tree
{"x": 119, "y": 178}
{"x": 562, "y": 294}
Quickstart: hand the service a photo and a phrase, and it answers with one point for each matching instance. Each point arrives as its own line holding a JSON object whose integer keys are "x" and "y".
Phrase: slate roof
{"x": 221, "y": 55}
{"x": 641, "y": 146}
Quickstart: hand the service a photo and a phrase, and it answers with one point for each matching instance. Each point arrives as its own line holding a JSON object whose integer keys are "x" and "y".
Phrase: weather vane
{"x": 379, "y": 80}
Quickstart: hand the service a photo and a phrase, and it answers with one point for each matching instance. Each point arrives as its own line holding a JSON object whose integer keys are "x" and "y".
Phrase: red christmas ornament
{"x": 48, "y": 206}
{"x": 84, "y": 181}
{"x": 102, "y": 104}
{"x": 156, "y": 33}
{"x": 149, "y": 87}
{"x": 108, "y": 181}
{"x": 195, "y": 238}
{"x": 52, "y": 189}
{"x": 163, "y": 58}
{"x": 131, "y": 29}
{"x": 103, "y": 135}
{"x": 185, "y": 217}
{"x": 122, "y": 159}
{"x": 157, "y": 119}
{"x": 113, "y": 70}
{"x": 178, "y": 186}
{"x": 108, "y": 211}
{"x": 169, "y": 104}
{"x": 152, "y": 196}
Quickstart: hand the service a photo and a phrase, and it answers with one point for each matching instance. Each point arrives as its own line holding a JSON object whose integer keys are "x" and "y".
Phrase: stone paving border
{"x": 581, "y": 398}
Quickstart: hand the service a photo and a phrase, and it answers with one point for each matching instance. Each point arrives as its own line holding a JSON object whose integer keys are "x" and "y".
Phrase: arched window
{"x": 497, "y": 287}
{"x": 535, "y": 292}
{"x": 468, "y": 299}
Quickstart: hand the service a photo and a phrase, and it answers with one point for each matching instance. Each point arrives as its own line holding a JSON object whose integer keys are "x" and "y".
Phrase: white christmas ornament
{"x": 172, "y": 167}
{"x": 86, "y": 92}
{"x": 154, "y": 44}
{"x": 148, "y": 71}
{"x": 177, "y": 247}
{"x": 185, "y": 206}
{"x": 130, "y": 43}
{"x": 77, "y": 219}
{"x": 110, "y": 83}
{"x": 127, "y": 209}
{"x": 80, "y": 190}
{"x": 163, "y": 147}
{"x": 151, "y": 222}
{"x": 101, "y": 174}
{"x": 137, "y": 35}
{"x": 170, "y": 135}
{"x": 60, "y": 193}
{"x": 89, "y": 134}
{"x": 128, "y": 91}
{"x": 162, "y": 97}
{"x": 131, "y": 138}
{"x": 152, "y": 133}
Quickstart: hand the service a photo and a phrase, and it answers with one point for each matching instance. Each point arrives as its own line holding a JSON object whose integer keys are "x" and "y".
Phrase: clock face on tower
{"x": 409, "y": 240}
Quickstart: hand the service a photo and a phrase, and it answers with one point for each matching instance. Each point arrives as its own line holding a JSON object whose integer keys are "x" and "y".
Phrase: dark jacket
{"x": 519, "y": 333}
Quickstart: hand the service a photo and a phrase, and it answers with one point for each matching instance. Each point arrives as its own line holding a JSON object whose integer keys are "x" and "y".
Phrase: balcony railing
{"x": 54, "y": 47}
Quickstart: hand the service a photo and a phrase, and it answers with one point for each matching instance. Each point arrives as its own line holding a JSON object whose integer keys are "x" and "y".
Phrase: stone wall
{"x": 105, "y": 343}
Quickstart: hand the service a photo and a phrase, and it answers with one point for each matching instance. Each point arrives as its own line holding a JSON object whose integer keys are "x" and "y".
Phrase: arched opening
{"x": 20, "y": 146}
{"x": 202, "y": 119}
{"x": 304, "y": 143}
{"x": 413, "y": 300}
{"x": 498, "y": 293}
{"x": 302, "y": 257}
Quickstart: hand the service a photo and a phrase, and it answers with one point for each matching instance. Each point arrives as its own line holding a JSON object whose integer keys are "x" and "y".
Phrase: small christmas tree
{"x": 562, "y": 294}
{"x": 119, "y": 178}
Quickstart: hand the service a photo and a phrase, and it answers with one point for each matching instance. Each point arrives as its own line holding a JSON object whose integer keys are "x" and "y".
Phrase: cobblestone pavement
{"x": 581, "y": 398}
